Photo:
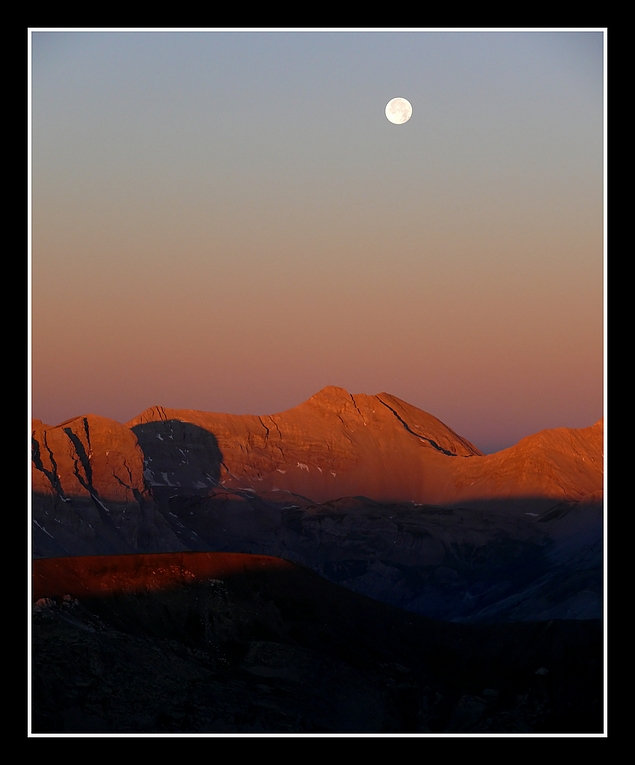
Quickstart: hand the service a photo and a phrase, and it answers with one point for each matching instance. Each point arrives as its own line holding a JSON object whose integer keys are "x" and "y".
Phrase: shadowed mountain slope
{"x": 236, "y": 643}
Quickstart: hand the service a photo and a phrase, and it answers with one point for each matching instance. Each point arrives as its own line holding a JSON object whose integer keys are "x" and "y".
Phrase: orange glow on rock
{"x": 108, "y": 574}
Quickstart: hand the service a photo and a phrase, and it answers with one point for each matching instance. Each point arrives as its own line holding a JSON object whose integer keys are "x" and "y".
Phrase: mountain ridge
{"x": 332, "y": 445}
{"x": 366, "y": 490}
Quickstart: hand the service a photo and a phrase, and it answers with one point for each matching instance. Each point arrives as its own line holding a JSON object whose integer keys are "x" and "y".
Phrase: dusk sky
{"x": 227, "y": 221}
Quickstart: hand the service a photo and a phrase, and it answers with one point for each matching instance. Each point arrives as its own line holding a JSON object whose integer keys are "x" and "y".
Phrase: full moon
{"x": 398, "y": 111}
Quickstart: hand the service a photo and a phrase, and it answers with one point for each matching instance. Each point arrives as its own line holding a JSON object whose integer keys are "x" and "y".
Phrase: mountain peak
{"x": 329, "y": 393}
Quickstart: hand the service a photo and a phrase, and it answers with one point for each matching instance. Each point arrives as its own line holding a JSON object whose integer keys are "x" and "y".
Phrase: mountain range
{"x": 369, "y": 491}
{"x": 333, "y": 445}
{"x": 353, "y": 548}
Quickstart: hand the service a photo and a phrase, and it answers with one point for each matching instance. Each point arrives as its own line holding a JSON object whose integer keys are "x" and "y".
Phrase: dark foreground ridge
{"x": 220, "y": 642}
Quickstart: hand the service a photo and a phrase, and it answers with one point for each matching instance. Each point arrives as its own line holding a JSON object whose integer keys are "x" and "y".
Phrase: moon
{"x": 398, "y": 111}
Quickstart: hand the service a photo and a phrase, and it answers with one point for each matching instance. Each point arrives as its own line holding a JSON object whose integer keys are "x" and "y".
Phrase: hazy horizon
{"x": 226, "y": 221}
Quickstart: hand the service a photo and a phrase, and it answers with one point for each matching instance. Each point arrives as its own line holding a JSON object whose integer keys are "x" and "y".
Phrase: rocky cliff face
{"x": 89, "y": 491}
{"x": 88, "y": 457}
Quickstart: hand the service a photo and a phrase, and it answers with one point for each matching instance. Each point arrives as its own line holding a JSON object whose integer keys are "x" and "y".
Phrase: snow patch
{"x": 167, "y": 480}
{"x": 100, "y": 503}
{"x": 149, "y": 476}
{"x": 43, "y": 529}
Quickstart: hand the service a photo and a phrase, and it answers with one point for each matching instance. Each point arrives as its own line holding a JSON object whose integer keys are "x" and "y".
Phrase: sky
{"x": 226, "y": 221}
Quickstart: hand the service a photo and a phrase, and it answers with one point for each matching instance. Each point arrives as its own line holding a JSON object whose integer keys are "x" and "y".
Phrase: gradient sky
{"x": 227, "y": 221}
